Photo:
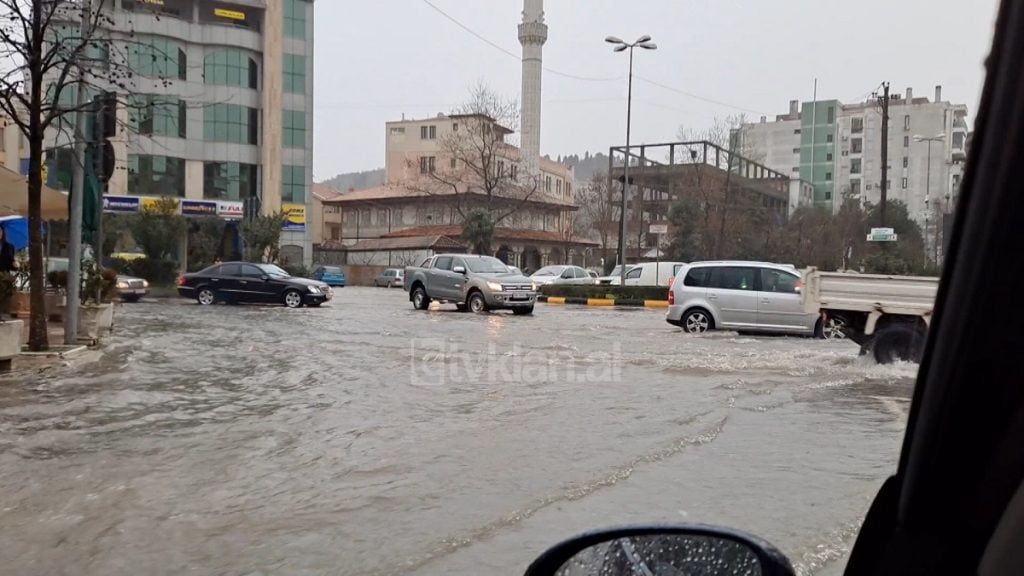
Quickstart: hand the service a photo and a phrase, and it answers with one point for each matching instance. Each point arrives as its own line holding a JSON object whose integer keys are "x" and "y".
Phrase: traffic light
{"x": 104, "y": 128}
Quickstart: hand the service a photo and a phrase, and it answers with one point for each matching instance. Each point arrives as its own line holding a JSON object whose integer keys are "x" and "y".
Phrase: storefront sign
{"x": 151, "y": 203}
{"x": 229, "y": 210}
{"x": 198, "y": 208}
{"x": 231, "y": 14}
{"x": 120, "y": 204}
{"x": 296, "y": 214}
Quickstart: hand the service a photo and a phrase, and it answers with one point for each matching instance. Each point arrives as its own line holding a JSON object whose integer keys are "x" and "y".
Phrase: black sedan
{"x": 236, "y": 282}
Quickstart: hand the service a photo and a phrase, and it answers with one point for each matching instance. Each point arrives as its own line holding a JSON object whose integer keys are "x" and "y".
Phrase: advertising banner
{"x": 198, "y": 208}
{"x": 296, "y": 221}
{"x": 120, "y": 204}
{"x": 229, "y": 210}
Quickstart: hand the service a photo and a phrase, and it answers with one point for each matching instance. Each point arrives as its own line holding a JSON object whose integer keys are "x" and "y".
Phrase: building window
{"x": 229, "y": 181}
{"x": 828, "y": 138}
{"x": 423, "y": 132}
{"x": 547, "y": 183}
{"x": 828, "y": 194}
{"x": 855, "y": 166}
{"x": 231, "y": 68}
{"x": 501, "y": 168}
{"x": 797, "y": 131}
{"x": 294, "y": 74}
{"x": 856, "y": 145}
{"x": 154, "y": 115}
{"x": 398, "y": 131}
{"x": 293, "y": 184}
{"x": 158, "y": 58}
{"x": 455, "y": 126}
{"x": 904, "y": 184}
{"x": 558, "y": 187}
{"x": 796, "y": 150}
{"x": 906, "y": 162}
{"x": 888, "y": 184}
{"x": 230, "y": 123}
{"x": 428, "y": 164}
{"x": 906, "y": 122}
{"x": 857, "y": 125}
{"x": 156, "y": 176}
{"x": 515, "y": 171}
{"x": 452, "y": 162}
{"x": 433, "y": 132}
{"x": 855, "y": 187}
{"x": 294, "y": 133}
{"x": 906, "y": 141}
{"x": 831, "y": 114}
{"x": 295, "y": 19}
{"x": 828, "y": 176}
{"x": 828, "y": 157}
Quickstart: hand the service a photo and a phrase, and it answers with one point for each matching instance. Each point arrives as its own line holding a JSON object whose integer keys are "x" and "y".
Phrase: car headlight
{"x": 122, "y": 285}
{"x": 495, "y": 286}
{"x": 314, "y": 290}
{"x": 533, "y": 286}
{"x": 145, "y": 283}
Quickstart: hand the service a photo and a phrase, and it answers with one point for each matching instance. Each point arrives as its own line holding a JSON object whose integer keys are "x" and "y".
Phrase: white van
{"x": 651, "y": 274}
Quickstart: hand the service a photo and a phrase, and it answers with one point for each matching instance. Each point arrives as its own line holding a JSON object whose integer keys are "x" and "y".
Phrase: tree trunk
{"x": 38, "y": 339}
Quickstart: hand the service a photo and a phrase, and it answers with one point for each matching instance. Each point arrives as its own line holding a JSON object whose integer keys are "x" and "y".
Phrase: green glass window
{"x": 295, "y": 18}
{"x": 158, "y": 58}
{"x": 294, "y": 129}
{"x": 229, "y": 181}
{"x": 230, "y": 123}
{"x": 231, "y": 68}
{"x": 156, "y": 176}
{"x": 294, "y": 74}
{"x": 293, "y": 184}
{"x": 156, "y": 115}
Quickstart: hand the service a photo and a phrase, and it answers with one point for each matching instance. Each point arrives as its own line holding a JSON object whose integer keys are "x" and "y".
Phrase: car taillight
{"x": 181, "y": 280}
{"x": 671, "y": 296}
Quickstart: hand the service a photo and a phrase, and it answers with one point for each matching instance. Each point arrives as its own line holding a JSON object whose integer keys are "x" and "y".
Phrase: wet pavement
{"x": 368, "y": 438}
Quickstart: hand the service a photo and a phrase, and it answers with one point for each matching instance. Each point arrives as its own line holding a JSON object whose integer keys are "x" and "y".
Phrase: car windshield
{"x": 807, "y": 160}
{"x": 486, "y": 265}
{"x": 273, "y": 271}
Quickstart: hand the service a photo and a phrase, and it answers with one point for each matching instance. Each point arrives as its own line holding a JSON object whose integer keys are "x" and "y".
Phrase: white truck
{"x": 888, "y": 316}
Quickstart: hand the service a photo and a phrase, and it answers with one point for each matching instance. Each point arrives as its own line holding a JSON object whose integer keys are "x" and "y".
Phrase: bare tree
{"x": 477, "y": 167}
{"x": 599, "y": 212}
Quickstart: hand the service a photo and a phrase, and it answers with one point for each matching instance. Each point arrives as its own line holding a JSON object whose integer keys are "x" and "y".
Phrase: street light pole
{"x": 928, "y": 191}
{"x": 620, "y": 46}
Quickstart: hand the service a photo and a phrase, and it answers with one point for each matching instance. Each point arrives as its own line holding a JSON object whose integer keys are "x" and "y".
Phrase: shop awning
{"x": 14, "y": 197}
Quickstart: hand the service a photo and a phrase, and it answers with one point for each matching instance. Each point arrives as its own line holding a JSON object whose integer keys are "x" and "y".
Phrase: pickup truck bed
{"x": 887, "y": 315}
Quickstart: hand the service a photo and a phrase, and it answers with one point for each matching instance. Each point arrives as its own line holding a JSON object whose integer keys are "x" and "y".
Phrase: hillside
{"x": 356, "y": 180}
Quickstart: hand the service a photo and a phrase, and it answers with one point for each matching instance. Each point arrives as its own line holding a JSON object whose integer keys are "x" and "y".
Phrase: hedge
{"x": 611, "y": 292}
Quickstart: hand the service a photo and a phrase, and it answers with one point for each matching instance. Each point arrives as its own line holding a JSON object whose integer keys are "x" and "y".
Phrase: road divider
{"x": 603, "y": 302}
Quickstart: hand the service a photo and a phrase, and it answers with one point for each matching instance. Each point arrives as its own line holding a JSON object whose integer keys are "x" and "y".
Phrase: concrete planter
{"x": 95, "y": 320}
{"x": 20, "y": 305}
{"x": 10, "y": 341}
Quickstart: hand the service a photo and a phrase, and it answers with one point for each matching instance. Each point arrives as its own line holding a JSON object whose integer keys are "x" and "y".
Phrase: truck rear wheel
{"x": 898, "y": 342}
{"x": 420, "y": 300}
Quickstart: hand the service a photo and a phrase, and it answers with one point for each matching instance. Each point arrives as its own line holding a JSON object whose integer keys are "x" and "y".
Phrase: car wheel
{"x": 522, "y": 311}
{"x": 293, "y": 299}
{"x": 831, "y": 329}
{"x": 205, "y": 296}
{"x": 898, "y": 342}
{"x": 476, "y": 303}
{"x": 420, "y": 300}
{"x": 697, "y": 321}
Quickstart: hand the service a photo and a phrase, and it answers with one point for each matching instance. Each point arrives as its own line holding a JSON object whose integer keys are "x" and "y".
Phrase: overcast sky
{"x": 376, "y": 60}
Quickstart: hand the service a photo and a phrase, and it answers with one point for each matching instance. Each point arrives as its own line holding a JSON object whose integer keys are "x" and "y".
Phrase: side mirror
{"x": 459, "y": 269}
{"x": 679, "y": 549}
{"x": 264, "y": 277}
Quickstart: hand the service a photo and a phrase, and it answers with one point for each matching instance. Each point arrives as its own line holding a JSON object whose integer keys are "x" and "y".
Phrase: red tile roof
{"x": 325, "y": 193}
{"x": 500, "y": 234}
{"x": 437, "y": 242}
{"x": 394, "y": 192}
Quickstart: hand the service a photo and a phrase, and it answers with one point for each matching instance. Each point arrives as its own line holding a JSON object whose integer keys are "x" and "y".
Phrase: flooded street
{"x": 368, "y": 438}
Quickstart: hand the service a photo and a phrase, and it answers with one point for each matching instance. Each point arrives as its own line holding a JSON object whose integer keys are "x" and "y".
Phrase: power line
{"x": 513, "y": 54}
{"x": 696, "y": 96}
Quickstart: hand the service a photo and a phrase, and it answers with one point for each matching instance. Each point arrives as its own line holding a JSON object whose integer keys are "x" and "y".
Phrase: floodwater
{"x": 367, "y": 438}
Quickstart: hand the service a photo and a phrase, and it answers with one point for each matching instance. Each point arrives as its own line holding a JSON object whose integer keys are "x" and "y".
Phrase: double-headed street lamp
{"x": 928, "y": 188}
{"x": 621, "y": 46}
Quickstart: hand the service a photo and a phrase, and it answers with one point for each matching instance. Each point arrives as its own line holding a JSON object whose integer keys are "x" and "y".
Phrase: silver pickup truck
{"x": 474, "y": 283}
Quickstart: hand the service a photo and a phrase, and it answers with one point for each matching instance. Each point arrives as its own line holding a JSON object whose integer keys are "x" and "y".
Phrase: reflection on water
{"x": 264, "y": 440}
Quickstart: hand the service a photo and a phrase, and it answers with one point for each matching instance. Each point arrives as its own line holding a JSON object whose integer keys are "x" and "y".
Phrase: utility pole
{"x": 884, "y": 100}
{"x": 77, "y": 193}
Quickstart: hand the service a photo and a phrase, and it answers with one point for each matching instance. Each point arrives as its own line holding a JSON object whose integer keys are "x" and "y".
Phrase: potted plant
{"x": 96, "y": 313}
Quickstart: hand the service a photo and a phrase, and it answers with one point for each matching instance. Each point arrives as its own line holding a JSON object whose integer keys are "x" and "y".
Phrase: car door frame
{"x": 779, "y": 311}
{"x": 255, "y": 287}
{"x": 961, "y": 462}
{"x": 734, "y": 315}
{"x": 440, "y": 281}
{"x": 225, "y": 285}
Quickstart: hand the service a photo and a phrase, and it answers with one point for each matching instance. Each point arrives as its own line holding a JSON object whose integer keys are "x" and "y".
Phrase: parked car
{"x": 650, "y": 274}
{"x": 739, "y": 295}
{"x": 615, "y": 275}
{"x": 390, "y": 278}
{"x": 562, "y": 275}
{"x": 237, "y": 282}
{"x": 130, "y": 288}
{"x": 474, "y": 283}
{"x": 330, "y": 275}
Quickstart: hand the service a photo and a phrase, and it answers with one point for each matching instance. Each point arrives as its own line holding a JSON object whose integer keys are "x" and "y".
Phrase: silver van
{"x": 738, "y": 295}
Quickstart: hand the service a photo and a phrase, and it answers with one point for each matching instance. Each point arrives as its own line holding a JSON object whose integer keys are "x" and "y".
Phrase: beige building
{"x": 325, "y": 219}
{"x": 429, "y": 186}
{"x": 13, "y": 146}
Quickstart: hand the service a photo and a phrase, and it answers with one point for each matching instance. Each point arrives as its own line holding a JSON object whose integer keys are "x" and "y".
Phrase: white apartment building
{"x": 837, "y": 147}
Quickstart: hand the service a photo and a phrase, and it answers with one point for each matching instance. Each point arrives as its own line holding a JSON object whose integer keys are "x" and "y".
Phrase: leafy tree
{"x": 685, "y": 242}
{"x": 262, "y": 236}
{"x": 478, "y": 230}
{"x": 158, "y": 229}
{"x": 206, "y": 235}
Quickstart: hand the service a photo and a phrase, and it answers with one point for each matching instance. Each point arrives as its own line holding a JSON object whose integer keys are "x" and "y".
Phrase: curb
{"x": 604, "y": 302}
